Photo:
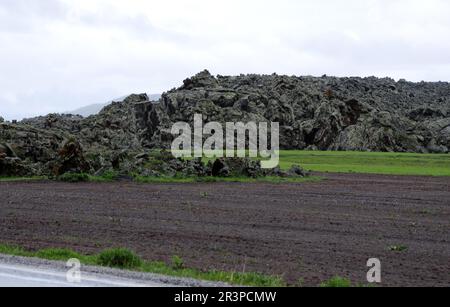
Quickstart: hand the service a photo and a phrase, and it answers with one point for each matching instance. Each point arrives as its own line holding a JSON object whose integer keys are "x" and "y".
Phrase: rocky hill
{"x": 325, "y": 113}
{"x": 319, "y": 113}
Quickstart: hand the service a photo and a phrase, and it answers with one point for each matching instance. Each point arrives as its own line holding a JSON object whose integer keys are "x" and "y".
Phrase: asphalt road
{"x": 29, "y": 276}
{"x": 32, "y": 272}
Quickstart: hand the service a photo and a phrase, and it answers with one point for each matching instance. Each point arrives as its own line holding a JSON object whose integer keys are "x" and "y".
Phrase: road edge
{"x": 141, "y": 277}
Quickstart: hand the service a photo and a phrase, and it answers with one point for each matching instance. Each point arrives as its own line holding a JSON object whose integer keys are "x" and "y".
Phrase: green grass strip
{"x": 125, "y": 259}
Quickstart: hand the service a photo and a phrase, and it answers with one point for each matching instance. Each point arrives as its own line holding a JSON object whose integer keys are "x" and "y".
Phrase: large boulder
{"x": 236, "y": 167}
{"x": 13, "y": 167}
{"x": 220, "y": 169}
{"x": 32, "y": 144}
{"x": 125, "y": 125}
{"x": 202, "y": 80}
{"x": 7, "y": 151}
{"x": 71, "y": 159}
{"x": 297, "y": 171}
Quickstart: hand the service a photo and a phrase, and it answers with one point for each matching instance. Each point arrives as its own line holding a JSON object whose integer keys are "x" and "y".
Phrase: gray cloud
{"x": 57, "y": 55}
{"x": 25, "y": 15}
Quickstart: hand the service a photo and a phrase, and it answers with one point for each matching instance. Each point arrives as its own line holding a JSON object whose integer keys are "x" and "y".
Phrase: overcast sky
{"x": 58, "y": 55}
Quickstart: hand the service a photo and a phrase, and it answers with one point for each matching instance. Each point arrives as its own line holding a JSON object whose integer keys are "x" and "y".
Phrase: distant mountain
{"x": 86, "y": 111}
{"x": 94, "y": 109}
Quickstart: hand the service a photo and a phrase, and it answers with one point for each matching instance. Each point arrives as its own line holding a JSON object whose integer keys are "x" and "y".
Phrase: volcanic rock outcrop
{"x": 316, "y": 113}
{"x": 327, "y": 113}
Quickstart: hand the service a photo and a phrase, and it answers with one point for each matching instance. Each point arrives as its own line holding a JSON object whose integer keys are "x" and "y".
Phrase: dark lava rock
{"x": 238, "y": 167}
{"x": 10, "y": 165}
{"x": 71, "y": 159}
{"x": 327, "y": 113}
{"x": 298, "y": 171}
{"x": 7, "y": 151}
{"x": 220, "y": 168}
{"x": 319, "y": 113}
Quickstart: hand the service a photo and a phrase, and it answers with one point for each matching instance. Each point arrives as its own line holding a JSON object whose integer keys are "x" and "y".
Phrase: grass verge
{"x": 220, "y": 179}
{"x": 340, "y": 282}
{"x": 125, "y": 259}
{"x": 18, "y": 179}
{"x": 74, "y": 178}
{"x": 336, "y": 282}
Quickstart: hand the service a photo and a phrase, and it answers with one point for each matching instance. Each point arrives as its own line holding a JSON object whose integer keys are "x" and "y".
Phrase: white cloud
{"x": 57, "y": 55}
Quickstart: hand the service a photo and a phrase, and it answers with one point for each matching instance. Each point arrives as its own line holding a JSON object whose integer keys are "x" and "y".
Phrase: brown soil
{"x": 308, "y": 231}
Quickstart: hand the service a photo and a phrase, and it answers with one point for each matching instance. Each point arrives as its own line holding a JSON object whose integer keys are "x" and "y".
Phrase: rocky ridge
{"x": 316, "y": 113}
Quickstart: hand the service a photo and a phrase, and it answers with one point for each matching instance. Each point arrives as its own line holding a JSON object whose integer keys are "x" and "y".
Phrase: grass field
{"x": 369, "y": 162}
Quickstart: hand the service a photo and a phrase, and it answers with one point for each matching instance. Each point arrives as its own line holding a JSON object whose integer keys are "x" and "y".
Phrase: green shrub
{"x": 177, "y": 263}
{"x": 110, "y": 175}
{"x": 398, "y": 248}
{"x": 119, "y": 258}
{"x": 337, "y": 282}
{"x": 74, "y": 177}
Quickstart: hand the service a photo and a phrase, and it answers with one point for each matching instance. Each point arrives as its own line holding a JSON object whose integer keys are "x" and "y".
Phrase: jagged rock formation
{"x": 326, "y": 113}
{"x": 71, "y": 159}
